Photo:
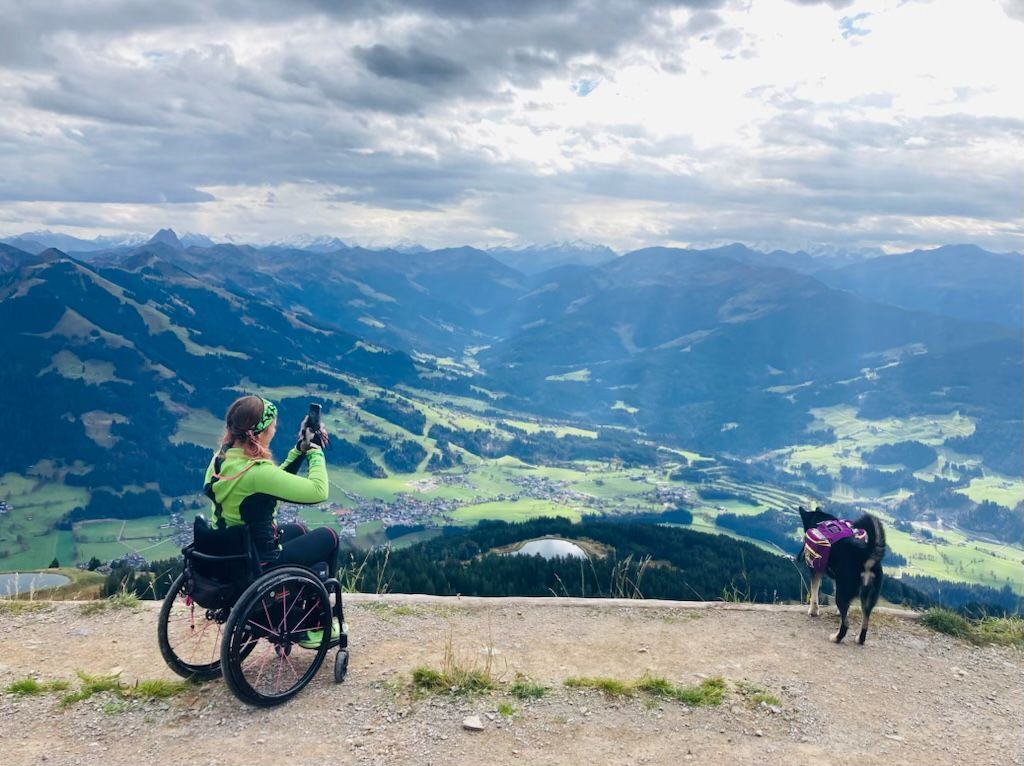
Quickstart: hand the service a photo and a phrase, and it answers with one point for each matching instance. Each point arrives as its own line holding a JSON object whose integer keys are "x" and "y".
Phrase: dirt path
{"x": 909, "y": 697}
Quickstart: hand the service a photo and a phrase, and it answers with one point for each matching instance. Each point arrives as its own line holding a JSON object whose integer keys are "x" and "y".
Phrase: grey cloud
{"x": 28, "y": 23}
{"x": 1014, "y": 9}
{"x": 703, "y": 21}
{"x": 414, "y": 65}
{"x": 728, "y": 39}
{"x": 539, "y": 61}
{"x": 845, "y": 132}
{"x": 453, "y": 49}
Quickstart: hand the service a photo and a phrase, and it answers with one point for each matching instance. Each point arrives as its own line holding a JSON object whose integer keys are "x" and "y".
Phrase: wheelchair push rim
{"x": 190, "y": 636}
{"x": 268, "y": 653}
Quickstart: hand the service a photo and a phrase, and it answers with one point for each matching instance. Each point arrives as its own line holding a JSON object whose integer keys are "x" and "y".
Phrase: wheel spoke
{"x": 284, "y": 620}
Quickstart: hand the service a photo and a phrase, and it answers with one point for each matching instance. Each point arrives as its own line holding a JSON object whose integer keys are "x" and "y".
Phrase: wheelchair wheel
{"x": 341, "y": 666}
{"x": 276, "y": 637}
{"x": 189, "y": 635}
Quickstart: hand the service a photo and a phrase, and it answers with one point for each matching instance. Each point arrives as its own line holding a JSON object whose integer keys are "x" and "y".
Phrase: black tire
{"x": 340, "y": 666}
{"x": 189, "y": 635}
{"x": 263, "y": 661}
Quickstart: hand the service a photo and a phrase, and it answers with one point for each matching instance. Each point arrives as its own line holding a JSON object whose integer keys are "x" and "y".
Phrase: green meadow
{"x": 199, "y": 427}
{"x": 576, "y": 376}
{"x": 855, "y": 436}
{"x": 27, "y": 535}
{"x": 959, "y": 558}
{"x": 521, "y": 510}
{"x": 997, "y": 489}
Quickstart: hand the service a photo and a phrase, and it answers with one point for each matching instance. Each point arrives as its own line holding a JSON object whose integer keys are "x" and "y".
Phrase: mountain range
{"x": 726, "y": 349}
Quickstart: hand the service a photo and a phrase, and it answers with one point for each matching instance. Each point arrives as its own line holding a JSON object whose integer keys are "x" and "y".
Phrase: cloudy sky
{"x": 778, "y": 123}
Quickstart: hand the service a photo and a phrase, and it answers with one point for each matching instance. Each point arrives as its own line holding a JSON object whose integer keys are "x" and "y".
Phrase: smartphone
{"x": 313, "y": 418}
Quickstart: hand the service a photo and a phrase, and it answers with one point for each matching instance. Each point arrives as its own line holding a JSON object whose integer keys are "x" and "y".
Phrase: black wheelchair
{"x": 266, "y": 631}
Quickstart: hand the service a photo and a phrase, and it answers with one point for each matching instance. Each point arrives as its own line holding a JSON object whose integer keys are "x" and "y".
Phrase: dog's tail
{"x": 876, "y": 544}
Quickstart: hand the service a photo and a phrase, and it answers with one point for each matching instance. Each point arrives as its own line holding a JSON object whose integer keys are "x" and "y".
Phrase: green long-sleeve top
{"x": 250, "y": 489}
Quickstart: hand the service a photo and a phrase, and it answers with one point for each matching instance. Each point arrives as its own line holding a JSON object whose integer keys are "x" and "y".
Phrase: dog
{"x": 854, "y": 562}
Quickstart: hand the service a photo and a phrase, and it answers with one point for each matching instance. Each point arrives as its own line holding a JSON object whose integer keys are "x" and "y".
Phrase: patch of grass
{"x": 158, "y": 689}
{"x": 120, "y": 600}
{"x": 25, "y": 686}
{"x": 506, "y": 709}
{"x": 755, "y": 694}
{"x": 30, "y": 685}
{"x": 14, "y": 608}
{"x": 428, "y": 678}
{"x": 525, "y": 689}
{"x": 90, "y": 608}
{"x": 948, "y": 622}
{"x": 456, "y": 676}
{"x": 610, "y": 686}
{"x": 123, "y": 600}
{"x": 1003, "y": 631}
{"x": 143, "y": 690}
{"x": 710, "y": 691}
{"x": 386, "y": 611}
{"x": 455, "y": 679}
{"x": 91, "y": 685}
{"x": 656, "y": 686}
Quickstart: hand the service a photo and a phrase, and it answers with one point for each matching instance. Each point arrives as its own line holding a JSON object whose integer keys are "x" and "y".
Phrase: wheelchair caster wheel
{"x": 340, "y": 666}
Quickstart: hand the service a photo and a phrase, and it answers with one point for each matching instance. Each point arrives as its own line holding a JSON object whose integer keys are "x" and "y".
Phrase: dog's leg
{"x": 812, "y": 610}
{"x": 868, "y": 599}
{"x": 843, "y": 598}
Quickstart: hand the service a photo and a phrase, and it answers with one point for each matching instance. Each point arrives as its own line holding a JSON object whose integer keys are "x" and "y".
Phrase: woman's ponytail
{"x": 242, "y": 418}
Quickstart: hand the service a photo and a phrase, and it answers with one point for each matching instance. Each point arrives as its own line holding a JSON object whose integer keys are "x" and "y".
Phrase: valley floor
{"x": 910, "y": 696}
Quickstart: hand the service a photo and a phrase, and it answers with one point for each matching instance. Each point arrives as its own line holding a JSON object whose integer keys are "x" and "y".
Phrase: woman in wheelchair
{"x": 244, "y": 484}
{"x": 254, "y": 603}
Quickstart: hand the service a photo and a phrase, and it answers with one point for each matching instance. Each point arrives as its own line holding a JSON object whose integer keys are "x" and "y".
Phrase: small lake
{"x": 550, "y": 548}
{"x": 23, "y": 582}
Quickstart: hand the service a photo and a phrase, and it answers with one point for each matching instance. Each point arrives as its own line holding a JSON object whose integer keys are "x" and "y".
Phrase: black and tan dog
{"x": 855, "y": 566}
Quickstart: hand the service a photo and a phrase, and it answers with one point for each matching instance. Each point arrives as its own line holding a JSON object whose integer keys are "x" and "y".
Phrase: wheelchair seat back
{"x": 219, "y": 564}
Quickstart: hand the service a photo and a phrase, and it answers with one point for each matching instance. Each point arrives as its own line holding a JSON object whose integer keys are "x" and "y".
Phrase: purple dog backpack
{"x": 818, "y": 541}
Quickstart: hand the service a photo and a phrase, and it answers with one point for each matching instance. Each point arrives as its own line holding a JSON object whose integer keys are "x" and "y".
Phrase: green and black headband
{"x": 269, "y": 413}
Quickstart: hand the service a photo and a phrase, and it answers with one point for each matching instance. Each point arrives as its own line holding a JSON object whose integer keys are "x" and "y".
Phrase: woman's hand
{"x": 307, "y": 439}
{"x": 308, "y": 435}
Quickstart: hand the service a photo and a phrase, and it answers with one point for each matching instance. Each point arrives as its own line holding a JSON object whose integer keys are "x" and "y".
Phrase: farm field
{"x": 26, "y": 536}
{"x": 513, "y": 511}
{"x": 855, "y": 436}
{"x": 997, "y": 489}
{"x": 954, "y": 556}
{"x": 111, "y": 539}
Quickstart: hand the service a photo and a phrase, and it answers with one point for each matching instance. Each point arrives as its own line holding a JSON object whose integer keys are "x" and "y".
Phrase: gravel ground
{"x": 909, "y": 697}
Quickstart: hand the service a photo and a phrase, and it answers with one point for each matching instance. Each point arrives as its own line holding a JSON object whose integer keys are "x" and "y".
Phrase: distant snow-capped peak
{"x": 576, "y": 245}
{"x": 322, "y": 243}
